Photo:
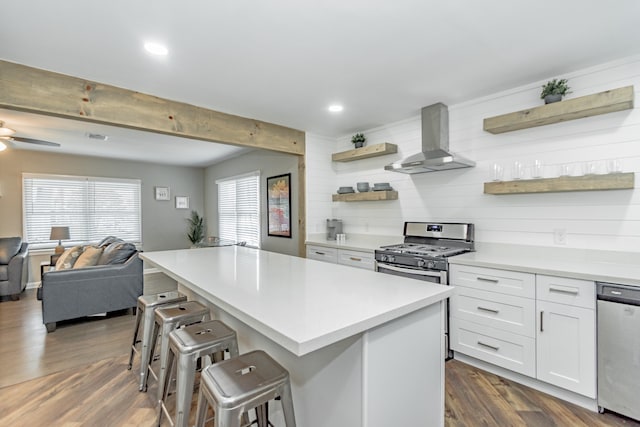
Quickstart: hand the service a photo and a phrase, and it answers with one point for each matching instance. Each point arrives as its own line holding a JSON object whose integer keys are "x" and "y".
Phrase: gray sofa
{"x": 115, "y": 284}
{"x": 13, "y": 266}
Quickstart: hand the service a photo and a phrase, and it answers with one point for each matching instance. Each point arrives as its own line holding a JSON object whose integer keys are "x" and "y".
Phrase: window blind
{"x": 93, "y": 208}
{"x": 239, "y": 208}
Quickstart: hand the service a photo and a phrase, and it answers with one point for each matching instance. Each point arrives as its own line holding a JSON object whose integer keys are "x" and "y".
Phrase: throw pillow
{"x": 107, "y": 241}
{"x": 89, "y": 257}
{"x": 68, "y": 258}
{"x": 117, "y": 253}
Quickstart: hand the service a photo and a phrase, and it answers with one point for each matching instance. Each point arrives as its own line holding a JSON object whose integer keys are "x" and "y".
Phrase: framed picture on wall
{"x": 182, "y": 202}
{"x": 279, "y": 205}
{"x": 162, "y": 193}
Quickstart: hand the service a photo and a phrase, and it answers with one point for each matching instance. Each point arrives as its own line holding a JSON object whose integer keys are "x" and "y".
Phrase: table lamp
{"x": 59, "y": 234}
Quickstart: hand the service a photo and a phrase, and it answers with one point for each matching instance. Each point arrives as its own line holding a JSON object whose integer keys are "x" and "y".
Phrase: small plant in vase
{"x": 358, "y": 140}
{"x": 196, "y": 228}
{"x": 554, "y": 90}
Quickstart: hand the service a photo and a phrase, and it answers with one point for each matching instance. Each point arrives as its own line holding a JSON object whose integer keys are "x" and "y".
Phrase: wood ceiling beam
{"x": 44, "y": 92}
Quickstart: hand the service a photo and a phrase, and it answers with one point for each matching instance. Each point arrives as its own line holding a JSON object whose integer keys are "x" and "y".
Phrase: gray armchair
{"x": 13, "y": 266}
{"x": 79, "y": 292}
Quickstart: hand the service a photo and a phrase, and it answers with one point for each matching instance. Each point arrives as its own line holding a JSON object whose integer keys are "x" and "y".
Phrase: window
{"x": 239, "y": 208}
{"x": 93, "y": 208}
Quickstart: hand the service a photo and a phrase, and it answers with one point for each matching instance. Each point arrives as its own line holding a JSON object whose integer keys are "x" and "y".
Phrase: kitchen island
{"x": 362, "y": 348}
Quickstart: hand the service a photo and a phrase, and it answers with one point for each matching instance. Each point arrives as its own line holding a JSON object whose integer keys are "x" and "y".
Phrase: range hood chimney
{"x": 435, "y": 155}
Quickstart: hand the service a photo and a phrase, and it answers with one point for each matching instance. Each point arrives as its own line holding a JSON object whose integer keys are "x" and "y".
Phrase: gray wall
{"x": 269, "y": 164}
{"x": 163, "y": 226}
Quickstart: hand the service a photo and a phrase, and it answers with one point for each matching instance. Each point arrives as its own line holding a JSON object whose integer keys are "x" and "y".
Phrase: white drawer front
{"x": 510, "y": 351}
{"x": 322, "y": 253}
{"x": 579, "y": 293}
{"x": 506, "y": 312}
{"x": 356, "y": 259}
{"x": 491, "y": 279}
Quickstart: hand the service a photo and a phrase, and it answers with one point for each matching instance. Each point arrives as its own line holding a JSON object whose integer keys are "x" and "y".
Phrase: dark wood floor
{"x": 77, "y": 376}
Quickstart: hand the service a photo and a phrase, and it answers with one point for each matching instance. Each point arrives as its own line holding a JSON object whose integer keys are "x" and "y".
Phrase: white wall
{"x": 593, "y": 219}
{"x": 320, "y": 182}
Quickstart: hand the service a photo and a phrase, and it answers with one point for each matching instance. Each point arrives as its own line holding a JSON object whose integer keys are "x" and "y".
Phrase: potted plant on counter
{"x": 554, "y": 90}
{"x": 358, "y": 139}
{"x": 196, "y": 229}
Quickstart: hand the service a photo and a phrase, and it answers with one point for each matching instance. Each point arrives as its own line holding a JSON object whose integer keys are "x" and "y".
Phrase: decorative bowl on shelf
{"x": 362, "y": 187}
{"x": 345, "y": 190}
{"x": 382, "y": 186}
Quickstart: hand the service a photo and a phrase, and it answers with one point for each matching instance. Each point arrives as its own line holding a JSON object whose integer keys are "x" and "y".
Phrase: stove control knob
{"x": 431, "y": 264}
{"x": 384, "y": 258}
{"x": 421, "y": 263}
{"x": 391, "y": 258}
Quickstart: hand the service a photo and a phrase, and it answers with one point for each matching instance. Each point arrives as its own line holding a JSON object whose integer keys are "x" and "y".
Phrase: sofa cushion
{"x": 107, "y": 241}
{"x": 4, "y": 273}
{"x": 68, "y": 258}
{"x": 117, "y": 253}
{"x": 9, "y": 247}
{"x": 88, "y": 257}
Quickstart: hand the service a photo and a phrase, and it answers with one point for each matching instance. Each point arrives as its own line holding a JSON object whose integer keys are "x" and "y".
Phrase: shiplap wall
{"x": 595, "y": 219}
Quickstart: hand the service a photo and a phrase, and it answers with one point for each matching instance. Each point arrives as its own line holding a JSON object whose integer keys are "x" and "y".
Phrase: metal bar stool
{"x": 147, "y": 305}
{"x": 186, "y": 346}
{"x": 167, "y": 319}
{"x": 235, "y": 386}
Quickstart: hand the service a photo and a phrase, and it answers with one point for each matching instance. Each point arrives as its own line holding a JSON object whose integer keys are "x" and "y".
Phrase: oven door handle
{"x": 411, "y": 271}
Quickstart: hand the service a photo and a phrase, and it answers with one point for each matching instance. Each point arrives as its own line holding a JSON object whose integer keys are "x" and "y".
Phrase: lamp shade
{"x": 59, "y": 233}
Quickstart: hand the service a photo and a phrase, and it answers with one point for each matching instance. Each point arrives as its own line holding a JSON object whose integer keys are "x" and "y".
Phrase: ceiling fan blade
{"x": 35, "y": 141}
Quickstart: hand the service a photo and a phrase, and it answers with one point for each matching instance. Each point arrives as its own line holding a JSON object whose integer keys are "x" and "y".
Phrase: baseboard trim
{"x": 560, "y": 393}
{"x": 33, "y": 285}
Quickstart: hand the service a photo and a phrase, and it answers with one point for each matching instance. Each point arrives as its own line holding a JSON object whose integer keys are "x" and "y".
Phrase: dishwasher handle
{"x": 625, "y": 294}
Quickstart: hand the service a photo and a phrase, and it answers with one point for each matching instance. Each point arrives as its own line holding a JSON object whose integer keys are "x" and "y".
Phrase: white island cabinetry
{"x": 332, "y": 327}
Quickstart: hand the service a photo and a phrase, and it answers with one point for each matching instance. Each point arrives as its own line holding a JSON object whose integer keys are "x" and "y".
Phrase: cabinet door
{"x": 566, "y": 347}
{"x": 356, "y": 259}
{"x": 322, "y": 253}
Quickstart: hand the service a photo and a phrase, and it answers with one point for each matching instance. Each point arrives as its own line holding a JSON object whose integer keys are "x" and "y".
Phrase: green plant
{"x": 358, "y": 137}
{"x": 196, "y": 228}
{"x": 555, "y": 87}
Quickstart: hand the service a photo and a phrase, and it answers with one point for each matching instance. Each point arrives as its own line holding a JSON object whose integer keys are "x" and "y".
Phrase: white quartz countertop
{"x": 603, "y": 266}
{"x": 355, "y": 242}
{"x": 301, "y": 304}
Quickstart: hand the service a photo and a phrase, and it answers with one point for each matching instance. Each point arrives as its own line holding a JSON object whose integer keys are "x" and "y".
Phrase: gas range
{"x": 428, "y": 245}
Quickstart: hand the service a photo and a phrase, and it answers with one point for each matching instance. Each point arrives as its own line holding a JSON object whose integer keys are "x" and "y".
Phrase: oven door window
{"x": 424, "y": 275}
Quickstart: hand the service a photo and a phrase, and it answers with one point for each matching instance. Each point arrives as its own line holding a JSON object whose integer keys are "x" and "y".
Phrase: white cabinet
{"x": 566, "y": 334}
{"x": 537, "y": 325}
{"x": 322, "y": 253}
{"x": 359, "y": 259}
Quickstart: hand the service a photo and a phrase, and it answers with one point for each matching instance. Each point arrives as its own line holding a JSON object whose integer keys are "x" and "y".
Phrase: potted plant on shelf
{"x": 554, "y": 90}
{"x": 196, "y": 228}
{"x": 358, "y": 139}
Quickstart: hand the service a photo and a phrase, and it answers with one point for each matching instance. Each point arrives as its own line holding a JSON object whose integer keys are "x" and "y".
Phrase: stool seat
{"x": 186, "y": 346}
{"x": 237, "y": 385}
{"x": 146, "y": 305}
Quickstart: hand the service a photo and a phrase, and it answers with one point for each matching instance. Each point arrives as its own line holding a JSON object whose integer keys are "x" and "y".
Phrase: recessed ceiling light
{"x": 336, "y": 108}
{"x": 156, "y": 49}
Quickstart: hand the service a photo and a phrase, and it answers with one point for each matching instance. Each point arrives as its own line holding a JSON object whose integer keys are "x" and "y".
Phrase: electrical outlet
{"x": 560, "y": 236}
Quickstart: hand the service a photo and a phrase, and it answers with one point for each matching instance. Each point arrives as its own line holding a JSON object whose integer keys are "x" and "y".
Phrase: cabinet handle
{"x": 490, "y": 310}
{"x": 541, "y": 321}
{"x": 355, "y": 259}
{"x": 485, "y": 279}
{"x": 492, "y": 347}
{"x": 563, "y": 291}
{"x": 320, "y": 253}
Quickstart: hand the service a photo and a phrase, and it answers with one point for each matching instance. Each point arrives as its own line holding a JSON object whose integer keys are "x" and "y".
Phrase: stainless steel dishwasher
{"x": 619, "y": 349}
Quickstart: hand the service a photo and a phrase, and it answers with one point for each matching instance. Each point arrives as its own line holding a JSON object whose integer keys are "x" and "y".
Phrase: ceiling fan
{"x": 7, "y": 134}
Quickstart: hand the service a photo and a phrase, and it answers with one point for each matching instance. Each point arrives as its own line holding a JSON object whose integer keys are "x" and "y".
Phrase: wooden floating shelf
{"x": 369, "y": 196}
{"x": 365, "y": 152}
{"x": 585, "y": 106}
{"x": 615, "y": 181}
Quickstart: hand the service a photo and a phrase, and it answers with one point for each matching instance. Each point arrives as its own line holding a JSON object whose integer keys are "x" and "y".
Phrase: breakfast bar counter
{"x": 362, "y": 348}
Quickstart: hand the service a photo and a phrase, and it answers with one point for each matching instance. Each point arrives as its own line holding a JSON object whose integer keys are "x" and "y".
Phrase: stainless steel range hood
{"x": 435, "y": 155}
